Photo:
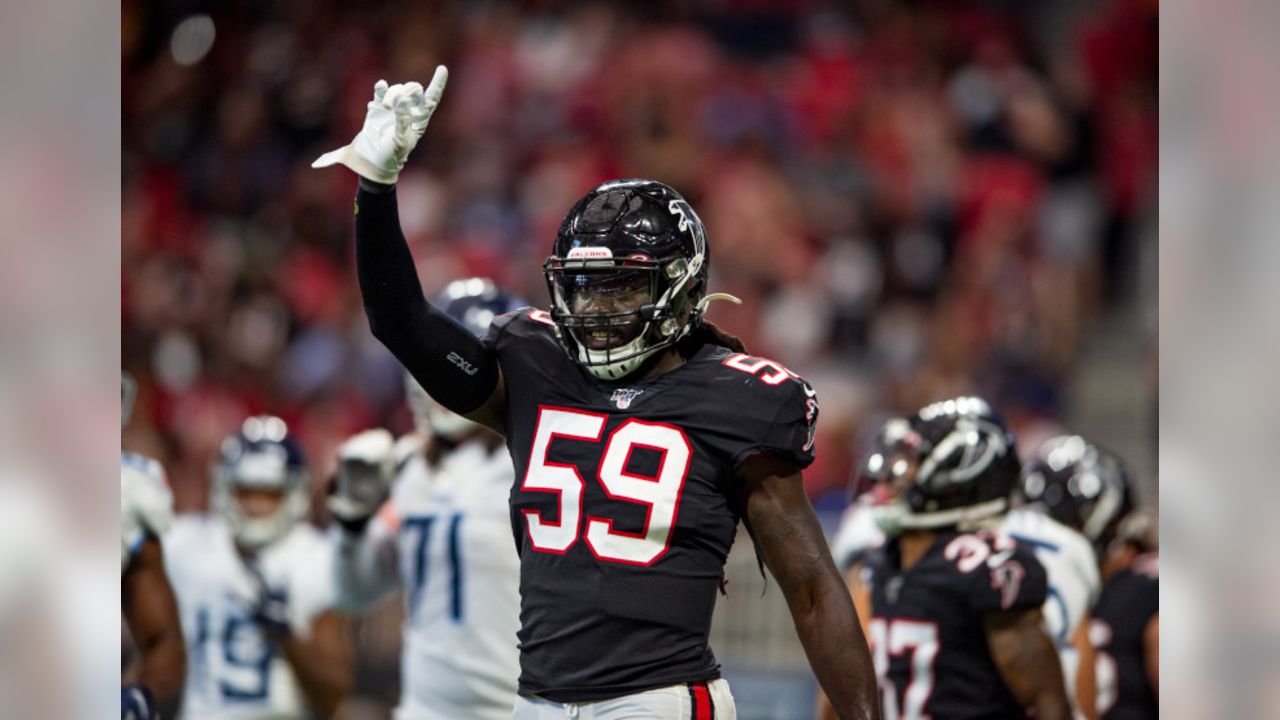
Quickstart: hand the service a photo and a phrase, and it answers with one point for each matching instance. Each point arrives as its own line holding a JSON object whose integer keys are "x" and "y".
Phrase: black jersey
{"x": 1128, "y": 602}
{"x": 927, "y": 632}
{"x": 626, "y": 505}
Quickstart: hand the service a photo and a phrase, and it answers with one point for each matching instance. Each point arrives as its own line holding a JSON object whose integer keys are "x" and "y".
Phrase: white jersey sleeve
{"x": 857, "y": 534}
{"x": 146, "y": 503}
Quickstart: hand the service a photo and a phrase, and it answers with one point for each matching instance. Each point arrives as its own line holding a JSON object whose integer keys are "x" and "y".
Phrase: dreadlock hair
{"x": 708, "y": 333}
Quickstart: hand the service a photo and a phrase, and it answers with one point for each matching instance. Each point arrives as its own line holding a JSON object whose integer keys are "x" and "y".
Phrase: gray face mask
{"x": 888, "y": 517}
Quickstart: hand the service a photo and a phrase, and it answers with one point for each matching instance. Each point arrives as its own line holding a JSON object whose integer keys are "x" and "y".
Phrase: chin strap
{"x": 707, "y": 300}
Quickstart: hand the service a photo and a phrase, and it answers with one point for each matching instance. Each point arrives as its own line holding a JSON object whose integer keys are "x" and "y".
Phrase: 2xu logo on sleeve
{"x": 462, "y": 364}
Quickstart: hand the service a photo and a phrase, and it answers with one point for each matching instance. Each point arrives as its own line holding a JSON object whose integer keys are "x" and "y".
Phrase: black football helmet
{"x": 1080, "y": 485}
{"x": 965, "y": 468}
{"x": 883, "y": 460}
{"x": 626, "y": 236}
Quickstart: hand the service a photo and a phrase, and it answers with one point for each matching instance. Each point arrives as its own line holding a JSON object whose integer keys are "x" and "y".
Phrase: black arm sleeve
{"x": 451, "y": 364}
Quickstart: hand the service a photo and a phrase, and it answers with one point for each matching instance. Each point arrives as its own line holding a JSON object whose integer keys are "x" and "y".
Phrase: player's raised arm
{"x": 790, "y": 539}
{"x": 455, "y": 368}
{"x": 366, "y": 559}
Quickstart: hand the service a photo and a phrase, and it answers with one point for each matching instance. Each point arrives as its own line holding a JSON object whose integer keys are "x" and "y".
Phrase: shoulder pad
{"x": 769, "y": 372}
{"x": 525, "y": 323}
{"x": 1003, "y": 574}
{"x": 527, "y": 317}
{"x": 145, "y": 493}
{"x": 143, "y": 464}
{"x": 780, "y": 401}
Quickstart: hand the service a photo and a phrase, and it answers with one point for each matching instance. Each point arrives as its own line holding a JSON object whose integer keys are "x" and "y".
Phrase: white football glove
{"x": 365, "y": 470}
{"x": 397, "y": 117}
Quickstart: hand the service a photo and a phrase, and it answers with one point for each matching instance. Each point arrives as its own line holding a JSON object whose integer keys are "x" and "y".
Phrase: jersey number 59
{"x": 660, "y": 494}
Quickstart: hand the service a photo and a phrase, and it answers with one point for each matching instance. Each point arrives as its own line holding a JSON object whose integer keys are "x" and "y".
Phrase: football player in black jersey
{"x": 955, "y": 624}
{"x": 640, "y": 434}
{"x": 1087, "y": 487}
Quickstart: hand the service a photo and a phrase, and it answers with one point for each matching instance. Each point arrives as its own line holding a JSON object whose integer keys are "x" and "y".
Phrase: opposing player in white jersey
{"x": 146, "y": 598}
{"x": 1067, "y": 556}
{"x": 444, "y": 537}
{"x": 254, "y": 583}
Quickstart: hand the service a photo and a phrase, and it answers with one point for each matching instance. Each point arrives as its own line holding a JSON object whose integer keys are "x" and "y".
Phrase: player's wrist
{"x": 375, "y": 187}
{"x": 352, "y": 516}
{"x": 354, "y": 527}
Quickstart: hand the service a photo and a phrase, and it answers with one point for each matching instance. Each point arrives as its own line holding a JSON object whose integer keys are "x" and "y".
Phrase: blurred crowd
{"x": 914, "y": 200}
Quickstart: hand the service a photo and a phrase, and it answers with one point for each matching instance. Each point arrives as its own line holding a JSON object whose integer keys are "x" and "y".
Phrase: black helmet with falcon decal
{"x": 627, "y": 275}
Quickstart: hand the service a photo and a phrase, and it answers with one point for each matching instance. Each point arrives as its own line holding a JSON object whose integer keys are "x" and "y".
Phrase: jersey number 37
{"x": 660, "y": 494}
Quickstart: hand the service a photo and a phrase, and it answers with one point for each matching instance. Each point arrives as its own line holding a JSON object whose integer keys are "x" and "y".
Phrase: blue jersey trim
{"x": 1062, "y": 639}
{"x": 1037, "y": 544}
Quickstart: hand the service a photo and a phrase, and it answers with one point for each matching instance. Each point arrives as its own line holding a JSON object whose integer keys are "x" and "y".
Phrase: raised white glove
{"x": 365, "y": 471}
{"x": 397, "y": 117}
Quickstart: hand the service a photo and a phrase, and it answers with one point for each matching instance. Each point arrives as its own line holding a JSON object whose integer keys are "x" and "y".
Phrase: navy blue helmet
{"x": 262, "y": 456}
{"x": 475, "y": 302}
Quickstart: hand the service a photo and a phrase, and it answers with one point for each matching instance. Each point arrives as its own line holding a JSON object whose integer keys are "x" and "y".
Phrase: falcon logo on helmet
{"x": 959, "y": 467}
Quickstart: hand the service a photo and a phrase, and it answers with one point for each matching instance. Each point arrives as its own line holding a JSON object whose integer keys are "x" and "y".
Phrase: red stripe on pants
{"x": 701, "y": 702}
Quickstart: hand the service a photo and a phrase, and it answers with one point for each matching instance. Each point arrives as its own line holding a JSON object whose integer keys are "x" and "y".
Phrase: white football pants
{"x": 709, "y": 700}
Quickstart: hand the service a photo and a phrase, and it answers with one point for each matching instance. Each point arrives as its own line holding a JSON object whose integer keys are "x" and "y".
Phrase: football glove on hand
{"x": 397, "y": 117}
{"x": 269, "y": 609}
{"x": 365, "y": 471}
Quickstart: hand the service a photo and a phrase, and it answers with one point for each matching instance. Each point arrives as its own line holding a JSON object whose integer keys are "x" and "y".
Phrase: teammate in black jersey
{"x": 1087, "y": 487}
{"x": 956, "y": 622}
{"x": 640, "y": 434}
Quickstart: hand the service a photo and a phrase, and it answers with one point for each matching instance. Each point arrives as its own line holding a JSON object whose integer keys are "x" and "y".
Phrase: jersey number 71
{"x": 661, "y": 494}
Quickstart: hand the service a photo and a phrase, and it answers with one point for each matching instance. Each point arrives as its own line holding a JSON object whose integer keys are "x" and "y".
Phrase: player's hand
{"x": 272, "y": 614}
{"x": 365, "y": 471}
{"x": 137, "y": 703}
{"x": 269, "y": 609}
{"x": 397, "y": 117}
